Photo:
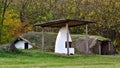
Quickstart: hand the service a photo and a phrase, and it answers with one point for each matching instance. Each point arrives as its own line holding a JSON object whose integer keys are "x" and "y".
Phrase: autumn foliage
{"x": 12, "y": 27}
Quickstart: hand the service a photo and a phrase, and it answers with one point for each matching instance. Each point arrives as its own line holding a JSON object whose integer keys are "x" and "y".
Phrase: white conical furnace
{"x": 61, "y": 40}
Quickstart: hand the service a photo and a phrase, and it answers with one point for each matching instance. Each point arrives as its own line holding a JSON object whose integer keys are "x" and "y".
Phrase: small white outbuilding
{"x": 21, "y": 43}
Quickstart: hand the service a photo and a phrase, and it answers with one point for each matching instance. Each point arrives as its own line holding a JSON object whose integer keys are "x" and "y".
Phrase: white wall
{"x": 21, "y": 45}
{"x": 60, "y": 42}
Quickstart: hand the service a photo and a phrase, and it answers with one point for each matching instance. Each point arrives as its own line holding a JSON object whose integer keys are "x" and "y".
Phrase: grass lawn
{"x": 36, "y": 59}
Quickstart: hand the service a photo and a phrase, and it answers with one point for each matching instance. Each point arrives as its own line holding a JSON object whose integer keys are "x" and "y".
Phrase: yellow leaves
{"x": 73, "y": 9}
{"x": 29, "y": 28}
{"x": 91, "y": 13}
{"x": 11, "y": 24}
{"x": 11, "y": 18}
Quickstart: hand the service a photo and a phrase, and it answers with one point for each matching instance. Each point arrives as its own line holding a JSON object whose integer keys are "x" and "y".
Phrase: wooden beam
{"x": 67, "y": 39}
{"x": 109, "y": 43}
{"x": 99, "y": 48}
{"x": 42, "y": 39}
{"x": 87, "y": 46}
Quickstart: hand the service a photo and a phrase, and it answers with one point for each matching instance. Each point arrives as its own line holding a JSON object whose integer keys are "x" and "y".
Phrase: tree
{"x": 3, "y": 7}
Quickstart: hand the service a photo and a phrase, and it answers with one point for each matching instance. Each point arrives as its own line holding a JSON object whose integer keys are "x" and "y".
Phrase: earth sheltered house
{"x": 97, "y": 45}
{"x": 20, "y": 43}
{"x": 63, "y": 40}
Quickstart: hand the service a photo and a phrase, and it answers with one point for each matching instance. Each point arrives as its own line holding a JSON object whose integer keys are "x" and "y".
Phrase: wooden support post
{"x": 99, "y": 48}
{"x": 87, "y": 46}
{"x": 109, "y": 43}
{"x": 67, "y": 34}
{"x": 42, "y": 39}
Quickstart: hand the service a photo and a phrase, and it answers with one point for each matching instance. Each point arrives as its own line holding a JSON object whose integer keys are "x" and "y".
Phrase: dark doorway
{"x": 26, "y": 45}
{"x": 104, "y": 48}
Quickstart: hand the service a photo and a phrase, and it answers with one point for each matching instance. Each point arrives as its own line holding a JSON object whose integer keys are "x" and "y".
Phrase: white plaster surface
{"x": 21, "y": 45}
{"x": 60, "y": 42}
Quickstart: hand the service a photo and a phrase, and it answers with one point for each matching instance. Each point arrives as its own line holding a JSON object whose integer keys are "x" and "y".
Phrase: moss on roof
{"x": 102, "y": 38}
{"x": 97, "y": 36}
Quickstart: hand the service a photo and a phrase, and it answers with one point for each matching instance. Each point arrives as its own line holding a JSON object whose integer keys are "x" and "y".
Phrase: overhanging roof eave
{"x": 62, "y": 22}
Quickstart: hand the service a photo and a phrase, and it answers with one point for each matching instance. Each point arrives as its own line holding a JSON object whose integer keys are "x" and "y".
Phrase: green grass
{"x": 37, "y": 59}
